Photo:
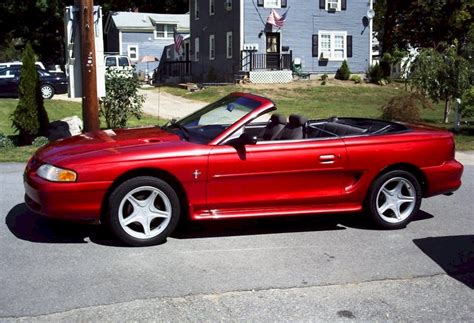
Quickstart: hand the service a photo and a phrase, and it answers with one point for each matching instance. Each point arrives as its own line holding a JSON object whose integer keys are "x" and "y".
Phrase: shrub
{"x": 343, "y": 73}
{"x": 375, "y": 74}
{"x": 40, "y": 141}
{"x": 122, "y": 100}
{"x": 405, "y": 107}
{"x": 324, "y": 79}
{"x": 356, "y": 79}
{"x": 29, "y": 118}
{"x": 6, "y": 142}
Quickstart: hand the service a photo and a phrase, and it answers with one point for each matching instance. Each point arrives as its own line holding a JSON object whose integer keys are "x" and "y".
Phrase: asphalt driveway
{"x": 304, "y": 268}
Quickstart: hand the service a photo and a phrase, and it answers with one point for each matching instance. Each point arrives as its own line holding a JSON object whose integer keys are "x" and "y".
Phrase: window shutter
{"x": 283, "y": 3}
{"x": 343, "y": 4}
{"x": 322, "y": 4}
{"x": 260, "y": 3}
{"x": 315, "y": 45}
{"x": 349, "y": 46}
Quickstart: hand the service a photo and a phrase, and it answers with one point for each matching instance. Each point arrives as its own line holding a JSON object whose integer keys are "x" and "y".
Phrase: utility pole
{"x": 90, "y": 101}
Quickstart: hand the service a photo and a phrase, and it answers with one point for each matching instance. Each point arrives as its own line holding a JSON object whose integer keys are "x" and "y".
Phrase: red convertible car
{"x": 222, "y": 162}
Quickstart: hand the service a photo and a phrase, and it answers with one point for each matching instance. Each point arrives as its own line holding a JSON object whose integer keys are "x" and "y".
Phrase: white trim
{"x": 227, "y": 43}
{"x": 371, "y": 25}
{"x": 120, "y": 43}
{"x": 332, "y": 34}
{"x": 212, "y": 41}
{"x": 136, "y": 52}
{"x": 241, "y": 36}
{"x": 167, "y": 33}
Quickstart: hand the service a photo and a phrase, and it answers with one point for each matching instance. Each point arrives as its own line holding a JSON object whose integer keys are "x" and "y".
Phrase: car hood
{"x": 113, "y": 141}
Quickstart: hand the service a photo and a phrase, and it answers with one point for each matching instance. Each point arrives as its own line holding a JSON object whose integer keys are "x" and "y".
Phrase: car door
{"x": 276, "y": 174}
{"x": 9, "y": 80}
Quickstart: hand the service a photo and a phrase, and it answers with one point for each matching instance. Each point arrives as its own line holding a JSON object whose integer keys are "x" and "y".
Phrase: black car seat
{"x": 274, "y": 127}
{"x": 294, "y": 129}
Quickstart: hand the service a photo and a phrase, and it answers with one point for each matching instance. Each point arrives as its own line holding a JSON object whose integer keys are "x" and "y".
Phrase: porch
{"x": 253, "y": 61}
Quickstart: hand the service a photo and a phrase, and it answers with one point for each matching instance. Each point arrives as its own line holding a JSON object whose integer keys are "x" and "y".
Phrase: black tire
{"x": 134, "y": 234}
{"x": 47, "y": 91}
{"x": 378, "y": 199}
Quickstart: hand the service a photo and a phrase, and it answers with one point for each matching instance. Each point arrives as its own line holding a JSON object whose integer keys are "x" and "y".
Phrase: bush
{"x": 356, "y": 79}
{"x": 6, "y": 142}
{"x": 324, "y": 79}
{"x": 29, "y": 118}
{"x": 405, "y": 107}
{"x": 122, "y": 100}
{"x": 343, "y": 73}
{"x": 375, "y": 74}
{"x": 40, "y": 141}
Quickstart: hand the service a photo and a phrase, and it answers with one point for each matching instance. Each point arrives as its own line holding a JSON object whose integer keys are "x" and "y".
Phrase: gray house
{"x": 137, "y": 34}
{"x": 234, "y": 36}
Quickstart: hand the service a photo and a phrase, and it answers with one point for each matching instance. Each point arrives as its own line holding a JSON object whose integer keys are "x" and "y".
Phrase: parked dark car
{"x": 51, "y": 83}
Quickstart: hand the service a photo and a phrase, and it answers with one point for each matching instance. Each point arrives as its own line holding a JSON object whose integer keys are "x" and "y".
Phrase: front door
{"x": 275, "y": 175}
{"x": 273, "y": 51}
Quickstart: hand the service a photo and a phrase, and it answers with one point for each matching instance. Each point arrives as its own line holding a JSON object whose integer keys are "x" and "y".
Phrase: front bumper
{"x": 67, "y": 201}
{"x": 443, "y": 179}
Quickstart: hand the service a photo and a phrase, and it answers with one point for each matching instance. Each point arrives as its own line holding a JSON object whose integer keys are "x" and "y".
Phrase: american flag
{"x": 276, "y": 20}
{"x": 178, "y": 41}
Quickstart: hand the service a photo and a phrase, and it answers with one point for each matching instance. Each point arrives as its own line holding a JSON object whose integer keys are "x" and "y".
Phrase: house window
{"x": 196, "y": 9}
{"x": 133, "y": 52}
{"x": 273, "y": 3}
{"x": 228, "y": 5}
{"x": 229, "y": 48}
{"x": 212, "y": 7}
{"x": 196, "y": 49}
{"x": 333, "y": 5}
{"x": 164, "y": 31}
{"x": 332, "y": 45}
{"x": 212, "y": 47}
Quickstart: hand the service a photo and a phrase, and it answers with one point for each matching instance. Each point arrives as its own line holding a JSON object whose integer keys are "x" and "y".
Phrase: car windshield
{"x": 209, "y": 122}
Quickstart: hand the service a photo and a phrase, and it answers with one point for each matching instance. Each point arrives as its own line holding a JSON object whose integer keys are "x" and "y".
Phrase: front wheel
{"x": 47, "y": 91}
{"x": 143, "y": 211}
{"x": 394, "y": 199}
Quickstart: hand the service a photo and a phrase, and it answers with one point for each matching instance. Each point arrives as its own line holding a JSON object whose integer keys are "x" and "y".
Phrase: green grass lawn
{"x": 306, "y": 98}
{"x": 56, "y": 110}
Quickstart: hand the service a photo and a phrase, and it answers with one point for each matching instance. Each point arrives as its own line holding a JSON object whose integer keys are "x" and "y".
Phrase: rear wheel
{"x": 394, "y": 199}
{"x": 143, "y": 211}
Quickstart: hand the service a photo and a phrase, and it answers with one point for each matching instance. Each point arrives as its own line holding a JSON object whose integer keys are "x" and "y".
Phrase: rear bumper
{"x": 67, "y": 201}
{"x": 443, "y": 179}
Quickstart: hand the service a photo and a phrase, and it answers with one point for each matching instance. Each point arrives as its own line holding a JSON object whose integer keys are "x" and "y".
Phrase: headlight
{"x": 56, "y": 174}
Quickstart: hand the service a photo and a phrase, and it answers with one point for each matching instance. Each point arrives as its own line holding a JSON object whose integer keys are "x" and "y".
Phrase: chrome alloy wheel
{"x": 396, "y": 200}
{"x": 145, "y": 212}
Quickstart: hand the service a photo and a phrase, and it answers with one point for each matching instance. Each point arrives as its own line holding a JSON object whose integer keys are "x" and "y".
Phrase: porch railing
{"x": 252, "y": 61}
{"x": 173, "y": 69}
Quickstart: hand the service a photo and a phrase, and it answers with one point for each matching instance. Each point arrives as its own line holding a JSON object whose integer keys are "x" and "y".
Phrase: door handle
{"x": 327, "y": 159}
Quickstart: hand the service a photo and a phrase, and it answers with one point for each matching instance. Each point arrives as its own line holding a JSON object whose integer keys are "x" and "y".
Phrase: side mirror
{"x": 244, "y": 139}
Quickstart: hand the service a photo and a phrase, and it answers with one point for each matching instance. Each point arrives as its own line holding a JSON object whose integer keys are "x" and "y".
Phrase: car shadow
{"x": 29, "y": 226}
{"x": 454, "y": 254}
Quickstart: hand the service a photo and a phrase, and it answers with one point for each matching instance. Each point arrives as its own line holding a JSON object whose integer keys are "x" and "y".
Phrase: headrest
{"x": 297, "y": 120}
{"x": 278, "y": 118}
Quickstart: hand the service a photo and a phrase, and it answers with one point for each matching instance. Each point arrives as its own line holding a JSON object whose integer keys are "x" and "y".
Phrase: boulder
{"x": 64, "y": 128}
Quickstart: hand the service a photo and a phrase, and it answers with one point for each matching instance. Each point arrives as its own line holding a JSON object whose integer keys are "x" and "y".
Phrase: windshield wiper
{"x": 183, "y": 129}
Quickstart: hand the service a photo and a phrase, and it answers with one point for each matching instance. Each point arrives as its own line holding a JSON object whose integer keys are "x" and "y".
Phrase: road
{"x": 318, "y": 268}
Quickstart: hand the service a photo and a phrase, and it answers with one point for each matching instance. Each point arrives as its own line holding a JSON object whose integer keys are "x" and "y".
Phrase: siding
{"x": 305, "y": 19}
{"x": 219, "y": 24}
{"x": 147, "y": 45}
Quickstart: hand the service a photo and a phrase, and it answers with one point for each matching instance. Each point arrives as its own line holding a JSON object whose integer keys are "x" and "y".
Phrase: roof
{"x": 145, "y": 21}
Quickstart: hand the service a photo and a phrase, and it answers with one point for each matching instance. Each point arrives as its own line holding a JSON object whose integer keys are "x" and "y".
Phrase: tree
{"x": 29, "y": 118}
{"x": 343, "y": 72}
{"x": 122, "y": 100}
{"x": 441, "y": 76}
